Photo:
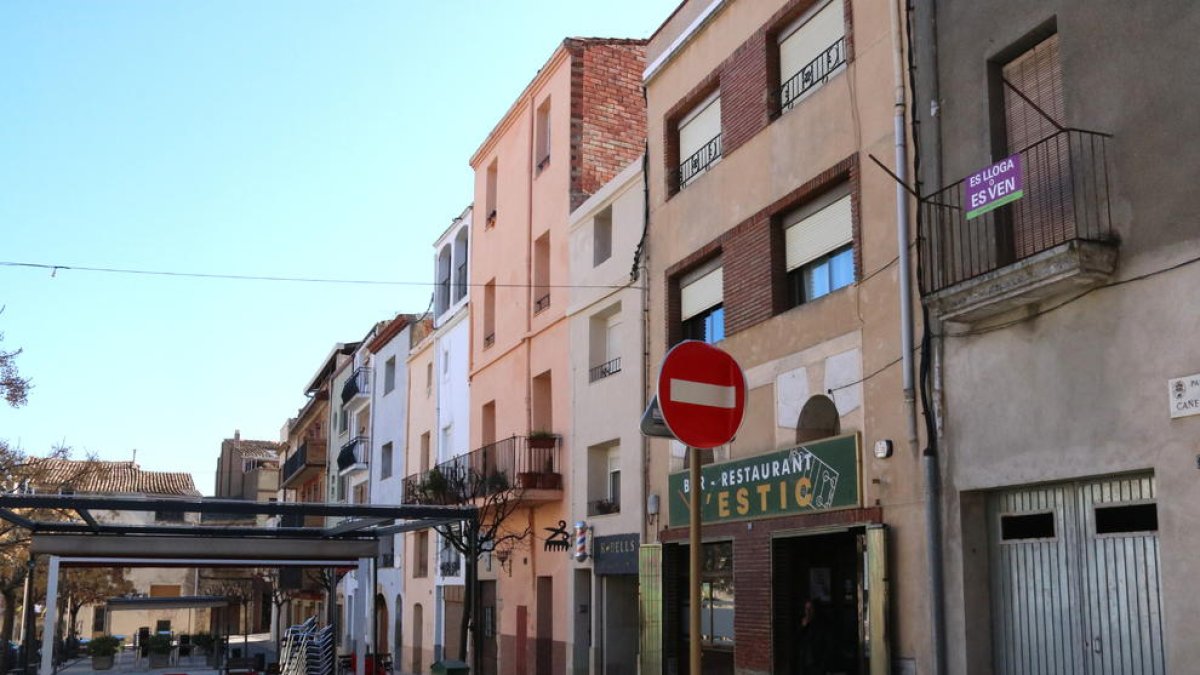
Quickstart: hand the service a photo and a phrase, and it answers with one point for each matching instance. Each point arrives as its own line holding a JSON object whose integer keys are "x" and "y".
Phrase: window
{"x": 1026, "y": 526}
{"x": 428, "y": 378}
{"x": 490, "y": 196}
{"x": 165, "y": 590}
{"x": 543, "y": 402}
{"x": 98, "y": 619}
{"x": 542, "y": 137}
{"x": 811, "y": 49}
{"x": 602, "y": 236}
{"x": 360, "y": 493}
{"x": 604, "y": 479}
{"x": 716, "y": 596}
{"x": 819, "y": 251}
{"x": 701, "y": 297}
{"x": 489, "y": 314}
{"x": 1127, "y": 518}
{"x": 446, "y": 442}
{"x": 699, "y": 139}
{"x": 541, "y": 273}
{"x": 421, "y": 557}
{"x": 460, "y": 265}
{"x": 604, "y": 347}
{"x": 487, "y": 425}
{"x": 445, "y": 364}
{"x": 389, "y": 375}
{"x": 424, "y": 457}
{"x": 343, "y": 420}
{"x": 442, "y": 300}
{"x": 385, "y": 465}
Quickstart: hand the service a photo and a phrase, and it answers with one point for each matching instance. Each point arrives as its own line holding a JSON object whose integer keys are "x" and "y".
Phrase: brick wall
{"x": 754, "y": 291}
{"x": 608, "y": 111}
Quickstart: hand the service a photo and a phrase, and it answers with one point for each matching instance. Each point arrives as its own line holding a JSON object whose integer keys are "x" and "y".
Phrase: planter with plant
{"x": 159, "y": 647}
{"x": 103, "y": 651}
{"x": 542, "y": 439}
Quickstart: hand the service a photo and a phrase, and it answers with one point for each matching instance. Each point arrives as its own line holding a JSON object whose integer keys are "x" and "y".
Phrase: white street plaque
{"x": 1185, "y": 395}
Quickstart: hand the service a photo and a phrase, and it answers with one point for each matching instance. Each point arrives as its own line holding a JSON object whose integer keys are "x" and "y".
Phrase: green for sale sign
{"x": 819, "y": 476}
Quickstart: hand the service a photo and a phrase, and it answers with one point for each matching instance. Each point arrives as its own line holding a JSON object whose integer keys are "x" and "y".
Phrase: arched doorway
{"x": 819, "y": 418}
{"x": 381, "y": 625}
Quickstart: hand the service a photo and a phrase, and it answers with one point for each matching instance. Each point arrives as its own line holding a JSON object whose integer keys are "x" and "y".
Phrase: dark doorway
{"x": 545, "y": 625}
{"x": 487, "y": 605}
{"x": 821, "y": 577}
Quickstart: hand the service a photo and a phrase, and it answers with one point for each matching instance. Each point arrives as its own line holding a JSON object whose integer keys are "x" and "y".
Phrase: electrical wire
{"x": 54, "y": 269}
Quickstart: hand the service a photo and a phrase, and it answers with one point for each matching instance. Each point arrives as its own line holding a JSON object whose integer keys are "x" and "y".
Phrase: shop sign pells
{"x": 818, "y": 476}
{"x": 1185, "y": 395}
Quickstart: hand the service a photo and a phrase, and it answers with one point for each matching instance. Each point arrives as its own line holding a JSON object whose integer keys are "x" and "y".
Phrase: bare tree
{"x": 14, "y": 387}
{"x": 469, "y": 481}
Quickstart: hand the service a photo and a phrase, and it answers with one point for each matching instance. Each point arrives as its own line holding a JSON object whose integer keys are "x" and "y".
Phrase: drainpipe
{"x": 929, "y": 459}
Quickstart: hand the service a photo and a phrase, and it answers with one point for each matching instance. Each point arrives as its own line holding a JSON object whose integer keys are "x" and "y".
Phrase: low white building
{"x": 607, "y": 487}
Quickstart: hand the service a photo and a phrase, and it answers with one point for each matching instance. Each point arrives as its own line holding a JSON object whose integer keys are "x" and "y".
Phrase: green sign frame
{"x": 824, "y": 475}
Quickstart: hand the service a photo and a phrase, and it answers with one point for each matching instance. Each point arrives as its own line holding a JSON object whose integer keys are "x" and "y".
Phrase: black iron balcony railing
{"x": 700, "y": 161}
{"x": 542, "y": 304}
{"x": 517, "y": 462}
{"x": 813, "y": 73}
{"x": 310, "y": 453}
{"x": 1065, "y": 199}
{"x": 450, "y": 562}
{"x": 460, "y": 282}
{"x": 604, "y": 369}
{"x": 359, "y": 383}
{"x": 355, "y": 452}
{"x": 489, "y": 340}
{"x": 603, "y": 507}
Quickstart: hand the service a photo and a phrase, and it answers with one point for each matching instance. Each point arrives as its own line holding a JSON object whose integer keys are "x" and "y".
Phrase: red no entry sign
{"x": 702, "y": 394}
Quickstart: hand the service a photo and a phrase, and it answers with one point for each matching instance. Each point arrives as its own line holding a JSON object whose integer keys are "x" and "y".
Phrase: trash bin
{"x": 451, "y": 667}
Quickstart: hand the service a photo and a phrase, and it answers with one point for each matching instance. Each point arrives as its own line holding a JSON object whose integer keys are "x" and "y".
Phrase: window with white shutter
{"x": 819, "y": 247}
{"x": 702, "y": 310}
{"x": 699, "y": 139}
{"x": 811, "y": 50}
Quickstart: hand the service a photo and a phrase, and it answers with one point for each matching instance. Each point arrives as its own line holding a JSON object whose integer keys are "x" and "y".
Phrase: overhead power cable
{"x": 54, "y": 269}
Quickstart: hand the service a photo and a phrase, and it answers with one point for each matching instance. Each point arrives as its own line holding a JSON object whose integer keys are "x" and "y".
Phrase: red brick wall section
{"x": 608, "y": 111}
{"x": 756, "y": 290}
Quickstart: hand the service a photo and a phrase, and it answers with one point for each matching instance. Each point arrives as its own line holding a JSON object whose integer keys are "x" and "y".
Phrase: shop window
{"x": 818, "y": 247}
{"x": 702, "y": 308}
{"x": 699, "y": 139}
{"x": 811, "y": 50}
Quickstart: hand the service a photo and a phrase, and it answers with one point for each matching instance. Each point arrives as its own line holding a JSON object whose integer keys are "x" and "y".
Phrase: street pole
{"x": 694, "y": 562}
{"x": 28, "y": 623}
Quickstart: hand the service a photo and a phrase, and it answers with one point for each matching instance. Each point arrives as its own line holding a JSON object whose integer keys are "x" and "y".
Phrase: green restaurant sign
{"x": 819, "y": 476}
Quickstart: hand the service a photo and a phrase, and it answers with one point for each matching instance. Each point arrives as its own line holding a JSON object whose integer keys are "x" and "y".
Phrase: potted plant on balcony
{"x": 435, "y": 487}
{"x": 159, "y": 647}
{"x": 542, "y": 439}
{"x": 103, "y": 651}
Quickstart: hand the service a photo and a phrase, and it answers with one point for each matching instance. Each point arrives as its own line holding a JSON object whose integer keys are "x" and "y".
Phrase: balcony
{"x": 354, "y": 455}
{"x": 527, "y": 466}
{"x": 305, "y": 463}
{"x": 1054, "y": 241}
{"x": 603, "y": 507}
{"x": 700, "y": 161}
{"x": 603, "y": 370}
{"x": 449, "y": 562}
{"x": 358, "y": 384}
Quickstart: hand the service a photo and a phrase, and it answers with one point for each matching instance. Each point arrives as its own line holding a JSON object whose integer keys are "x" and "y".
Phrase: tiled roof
{"x": 258, "y": 449}
{"x": 110, "y": 478}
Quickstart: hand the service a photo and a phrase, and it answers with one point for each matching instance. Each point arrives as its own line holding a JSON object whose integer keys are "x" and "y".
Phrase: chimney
{"x": 135, "y": 455}
{"x": 237, "y": 434}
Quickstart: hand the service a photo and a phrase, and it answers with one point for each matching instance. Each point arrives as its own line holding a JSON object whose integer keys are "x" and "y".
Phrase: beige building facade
{"x": 773, "y": 236}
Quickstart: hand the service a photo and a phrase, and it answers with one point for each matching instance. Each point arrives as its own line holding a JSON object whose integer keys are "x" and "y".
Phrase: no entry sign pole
{"x": 702, "y": 398}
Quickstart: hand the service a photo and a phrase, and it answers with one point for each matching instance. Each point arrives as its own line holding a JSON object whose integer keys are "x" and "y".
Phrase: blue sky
{"x": 288, "y": 138}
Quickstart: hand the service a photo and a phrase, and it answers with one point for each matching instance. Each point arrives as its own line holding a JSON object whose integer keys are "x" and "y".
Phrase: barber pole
{"x": 581, "y": 540}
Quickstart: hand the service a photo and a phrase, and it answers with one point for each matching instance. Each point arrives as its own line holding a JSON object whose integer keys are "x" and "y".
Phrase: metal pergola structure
{"x": 351, "y": 541}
